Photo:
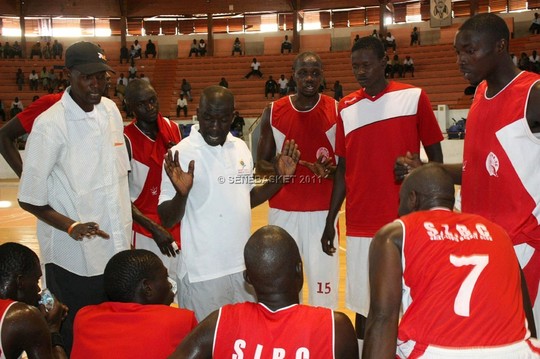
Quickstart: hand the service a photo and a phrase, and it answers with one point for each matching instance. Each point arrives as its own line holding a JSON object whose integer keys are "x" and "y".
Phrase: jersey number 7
{"x": 462, "y": 303}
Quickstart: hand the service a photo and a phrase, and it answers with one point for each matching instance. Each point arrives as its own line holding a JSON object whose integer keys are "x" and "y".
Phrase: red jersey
{"x": 371, "y": 133}
{"x": 314, "y": 131}
{"x": 36, "y": 108}
{"x": 129, "y": 330}
{"x": 251, "y": 330}
{"x": 5, "y": 304}
{"x": 461, "y": 280}
{"x": 501, "y": 167}
{"x": 146, "y": 170}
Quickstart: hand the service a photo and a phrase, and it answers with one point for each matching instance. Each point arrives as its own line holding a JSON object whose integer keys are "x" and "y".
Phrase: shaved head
{"x": 273, "y": 262}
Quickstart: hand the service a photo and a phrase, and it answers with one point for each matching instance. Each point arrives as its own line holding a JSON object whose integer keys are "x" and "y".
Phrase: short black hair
{"x": 134, "y": 87}
{"x": 125, "y": 270}
{"x": 490, "y": 24}
{"x": 303, "y": 55}
{"x": 16, "y": 259}
{"x": 370, "y": 43}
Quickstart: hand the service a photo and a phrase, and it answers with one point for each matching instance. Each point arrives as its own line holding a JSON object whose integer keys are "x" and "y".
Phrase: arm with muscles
{"x": 172, "y": 211}
{"x": 338, "y": 195}
{"x": 266, "y": 148}
{"x": 346, "y": 345}
{"x": 199, "y": 343}
{"x": 533, "y": 109}
{"x": 285, "y": 166}
{"x": 34, "y": 332}
{"x": 385, "y": 276}
{"x": 76, "y": 230}
{"x": 8, "y": 134}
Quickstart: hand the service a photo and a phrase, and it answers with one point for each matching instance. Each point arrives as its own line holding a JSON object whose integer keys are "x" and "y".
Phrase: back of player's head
{"x": 125, "y": 271}
{"x": 15, "y": 259}
{"x": 273, "y": 261}
{"x": 370, "y": 43}
{"x": 304, "y": 56}
{"x": 488, "y": 24}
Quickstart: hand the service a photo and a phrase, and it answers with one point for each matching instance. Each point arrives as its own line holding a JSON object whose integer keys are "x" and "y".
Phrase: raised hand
{"x": 165, "y": 241}
{"x": 286, "y": 161}
{"x": 322, "y": 167}
{"x": 88, "y": 229}
{"x": 404, "y": 164}
{"x": 182, "y": 181}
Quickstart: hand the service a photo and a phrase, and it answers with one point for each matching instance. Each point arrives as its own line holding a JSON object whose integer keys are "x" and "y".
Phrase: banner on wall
{"x": 441, "y": 13}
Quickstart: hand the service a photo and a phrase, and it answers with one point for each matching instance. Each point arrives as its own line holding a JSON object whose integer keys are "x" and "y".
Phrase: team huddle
{"x": 132, "y": 219}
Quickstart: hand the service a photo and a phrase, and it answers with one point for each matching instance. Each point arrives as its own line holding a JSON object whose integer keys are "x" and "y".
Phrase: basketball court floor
{"x": 17, "y": 225}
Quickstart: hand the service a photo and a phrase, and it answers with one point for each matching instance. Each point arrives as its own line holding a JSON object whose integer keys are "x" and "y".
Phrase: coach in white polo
{"x": 213, "y": 200}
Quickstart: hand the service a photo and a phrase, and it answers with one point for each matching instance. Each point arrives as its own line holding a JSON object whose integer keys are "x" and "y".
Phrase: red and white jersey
{"x": 314, "y": 131}
{"x": 372, "y": 131}
{"x": 251, "y": 330}
{"x": 501, "y": 166}
{"x": 5, "y": 304}
{"x": 461, "y": 282}
{"x": 146, "y": 171}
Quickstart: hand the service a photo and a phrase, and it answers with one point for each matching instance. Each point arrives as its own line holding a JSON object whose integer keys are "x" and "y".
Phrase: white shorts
{"x": 520, "y": 350}
{"x": 322, "y": 270}
{"x": 205, "y": 297}
{"x": 357, "y": 293}
{"x": 173, "y": 264}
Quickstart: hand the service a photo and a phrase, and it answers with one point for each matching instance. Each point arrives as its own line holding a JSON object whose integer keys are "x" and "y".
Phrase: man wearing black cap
{"x": 75, "y": 182}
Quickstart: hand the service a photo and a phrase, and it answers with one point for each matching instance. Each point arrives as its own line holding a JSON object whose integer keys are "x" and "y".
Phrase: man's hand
{"x": 286, "y": 161}
{"x": 182, "y": 181}
{"x": 88, "y": 229}
{"x": 165, "y": 241}
{"x": 404, "y": 164}
{"x": 327, "y": 240}
{"x": 322, "y": 167}
{"x": 55, "y": 316}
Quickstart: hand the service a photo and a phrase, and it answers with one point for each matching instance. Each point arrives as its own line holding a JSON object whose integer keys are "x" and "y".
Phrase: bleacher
{"x": 435, "y": 71}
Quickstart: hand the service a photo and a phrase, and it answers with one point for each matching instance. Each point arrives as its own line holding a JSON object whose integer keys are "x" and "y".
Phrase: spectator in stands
{"x": 120, "y": 89}
{"x": 415, "y": 36}
{"x": 237, "y": 47}
{"x": 53, "y": 80}
{"x": 63, "y": 83}
{"x": 46, "y": 51}
{"x": 24, "y": 327}
{"x": 283, "y": 86}
{"x": 396, "y": 66}
{"x": 292, "y": 85}
{"x": 124, "y": 54}
{"x": 524, "y": 63}
{"x": 150, "y": 49}
{"x": 19, "y": 78}
{"x": 33, "y": 79}
{"x": 356, "y": 38}
{"x": 138, "y": 320}
{"x": 137, "y": 48}
{"x": 194, "y": 49}
{"x": 223, "y": 83}
{"x": 57, "y": 50}
{"x": 270, "y": 87}
{"x": 255, "y": 65}
{"x": 16, "y": 50}
{"x": 408, "y": 66}
{"x": 1, "y": 51}
{"x": 144, "y": 78}
{"x": 286, "y": 45}
{"x": 338, "y": 91}
{"x": 514, "y": 59}
{"x": 390, "y": 42}
{"x": 16, "y": 107}
{"x": 181, "y": 105}
{"x": 534, "y": 60}
{"x": 35, "y": 98}
{"x": 36, "y": 50}
{"x": 185, "y": 88}
{"x": 132, "y": 70}
{"x": 202, "y": 47}
{"x": 535, "y": 25}
{"x": 374, "y": 34}
{"x": 2, "y": 111}
{"x": 322, "y": 85}
{"x": 8, "y": 50}
{"x": 44, "y": 77}
{"x": 237, "y": 125}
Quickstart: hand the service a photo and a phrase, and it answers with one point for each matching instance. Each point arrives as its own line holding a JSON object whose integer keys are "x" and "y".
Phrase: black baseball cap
{"x": 87, "y": 58}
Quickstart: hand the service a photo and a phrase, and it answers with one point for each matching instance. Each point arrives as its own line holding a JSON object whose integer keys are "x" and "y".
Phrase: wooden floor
{"x": 17, "y": 225}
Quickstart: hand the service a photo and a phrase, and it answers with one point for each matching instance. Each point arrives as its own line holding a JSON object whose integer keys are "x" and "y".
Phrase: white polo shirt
{"x": 77, "y": 163}
{"x": 217, "y": 221}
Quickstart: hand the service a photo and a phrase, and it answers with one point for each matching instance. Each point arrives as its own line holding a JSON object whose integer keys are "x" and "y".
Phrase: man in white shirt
{"x": 283, "y": 85}
{"x": 255, "y": 65}
{"x": 181, "y": 105}
{"x": 213, "y": 199}
{"x": 75, "y": 182}
{"x": 408, "y": 66}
